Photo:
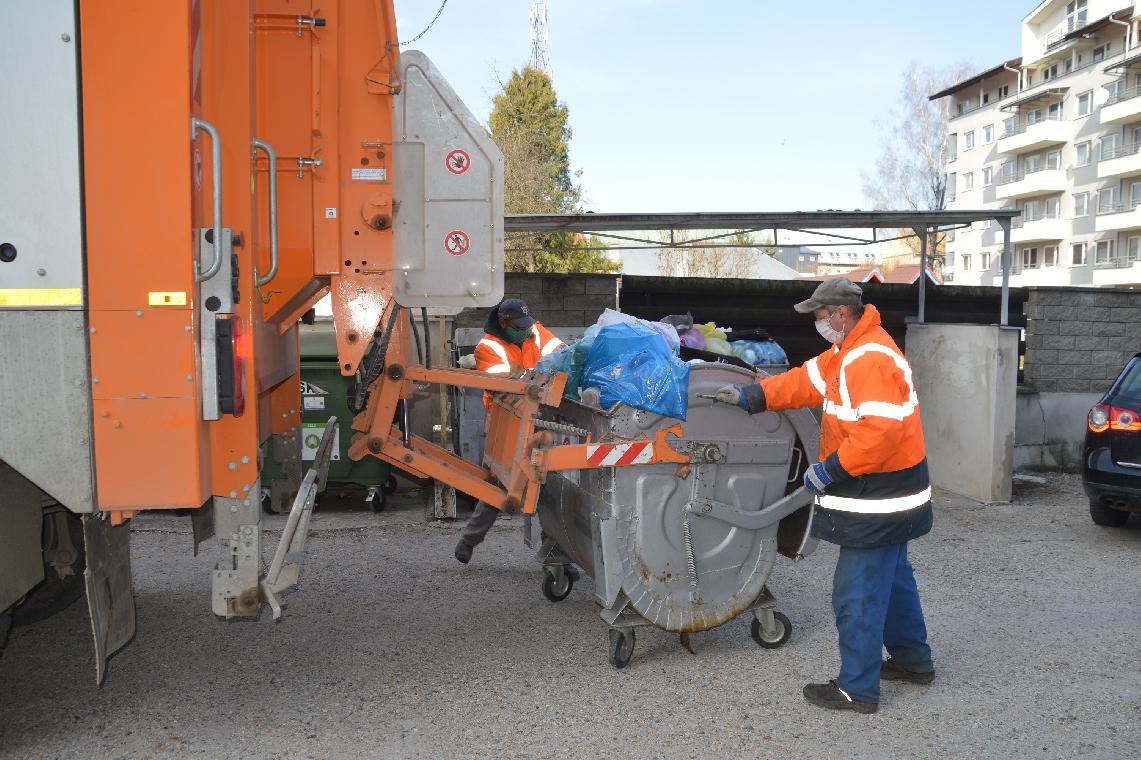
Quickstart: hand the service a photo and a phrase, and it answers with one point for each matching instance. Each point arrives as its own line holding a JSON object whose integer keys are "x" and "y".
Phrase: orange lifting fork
{"x": 518, "y": 454}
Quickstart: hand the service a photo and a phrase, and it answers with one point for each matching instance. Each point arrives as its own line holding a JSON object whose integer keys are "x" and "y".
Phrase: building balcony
{"x": 1030, "y": 184}
{"x": 1032, "y": 137}
{"x": 1118, "y": 218}
{"x": 1123, "y": 162}
{"x": 1123, "y": 107}
{"x": 1040, "y": 228}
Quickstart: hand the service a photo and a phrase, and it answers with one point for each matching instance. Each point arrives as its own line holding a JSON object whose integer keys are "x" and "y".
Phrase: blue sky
{"x": 679, "y": 105}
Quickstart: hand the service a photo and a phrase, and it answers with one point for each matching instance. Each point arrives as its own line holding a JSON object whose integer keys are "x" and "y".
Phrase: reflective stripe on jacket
{"x": 871, "y": 438}
{"x": 497, "y": 356}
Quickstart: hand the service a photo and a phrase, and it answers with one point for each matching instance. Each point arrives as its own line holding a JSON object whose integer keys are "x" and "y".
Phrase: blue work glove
{"x": 816, "y": 478}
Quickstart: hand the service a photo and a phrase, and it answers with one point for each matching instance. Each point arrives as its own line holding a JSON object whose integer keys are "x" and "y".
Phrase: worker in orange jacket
{"x": 872, "y": 490}
{"x": 513, "y": 340}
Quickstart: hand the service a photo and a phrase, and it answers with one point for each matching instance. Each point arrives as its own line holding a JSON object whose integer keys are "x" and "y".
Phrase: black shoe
{"x": 890, "y": 671}
{"x": 832, "y": 697}
{"x": 463, "y": 552}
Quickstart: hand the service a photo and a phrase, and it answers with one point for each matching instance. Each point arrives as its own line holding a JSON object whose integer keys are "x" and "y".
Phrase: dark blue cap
{"x": 515, "y": 311}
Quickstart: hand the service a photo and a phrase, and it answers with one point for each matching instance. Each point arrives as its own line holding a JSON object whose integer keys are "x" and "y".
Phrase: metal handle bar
{"x": 271, "y": 155}
{"x": 216, "y": 182}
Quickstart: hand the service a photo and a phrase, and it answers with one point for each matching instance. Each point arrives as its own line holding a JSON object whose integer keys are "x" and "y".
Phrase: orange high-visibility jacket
{"x": 497, "y": 356}
{"x": 871, "y": 439}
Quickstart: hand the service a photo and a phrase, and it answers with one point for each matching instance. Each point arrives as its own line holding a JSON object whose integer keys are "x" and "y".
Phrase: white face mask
{"x": 827, "y": 332}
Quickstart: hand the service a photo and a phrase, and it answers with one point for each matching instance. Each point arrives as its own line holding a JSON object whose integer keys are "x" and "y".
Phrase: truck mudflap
{"x": 110, "y": 594}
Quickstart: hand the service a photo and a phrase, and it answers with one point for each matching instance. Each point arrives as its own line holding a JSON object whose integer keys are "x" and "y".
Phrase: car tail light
{"x": 1125, "y": 420}
{"x": 231, "y": 365}
{"x": 1099, "y": 418}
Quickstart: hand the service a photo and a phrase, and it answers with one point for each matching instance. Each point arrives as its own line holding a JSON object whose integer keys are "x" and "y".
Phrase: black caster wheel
{"x": 378, "y": 501}
{"x": 555, "y": 591}
{"x": 769, "y": 641}
{"x": 267, "y": 504}
{"x": 621, "y": 647}
{"x": 389, "y": 486}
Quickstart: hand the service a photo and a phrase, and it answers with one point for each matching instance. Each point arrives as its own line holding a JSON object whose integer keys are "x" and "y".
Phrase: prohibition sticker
{"x": 456, "y": 242}
{"x": 458, "y": 161}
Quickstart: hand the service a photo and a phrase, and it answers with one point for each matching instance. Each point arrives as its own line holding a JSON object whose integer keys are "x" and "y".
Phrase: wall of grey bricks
{"x": 556, "y": 300}
{"x": 1078, "y": 339}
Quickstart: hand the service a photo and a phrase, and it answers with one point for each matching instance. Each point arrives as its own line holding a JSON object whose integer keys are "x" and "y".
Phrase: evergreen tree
{"x": 530, "y": 126}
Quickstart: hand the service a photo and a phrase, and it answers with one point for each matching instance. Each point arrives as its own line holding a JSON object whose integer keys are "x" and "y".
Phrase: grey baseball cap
{"x": 835, "y": 292}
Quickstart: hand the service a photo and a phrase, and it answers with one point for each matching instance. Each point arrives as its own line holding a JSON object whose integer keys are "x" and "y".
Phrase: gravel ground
{"x": 391, "y": 649}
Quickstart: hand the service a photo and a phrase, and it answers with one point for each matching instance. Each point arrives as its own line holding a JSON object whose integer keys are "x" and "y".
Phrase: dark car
{"x": 1111, "y": 467}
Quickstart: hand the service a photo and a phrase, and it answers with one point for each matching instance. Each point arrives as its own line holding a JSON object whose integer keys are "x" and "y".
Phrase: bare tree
{"x": 909, "y": 173}
{"x": 728, "y": 255}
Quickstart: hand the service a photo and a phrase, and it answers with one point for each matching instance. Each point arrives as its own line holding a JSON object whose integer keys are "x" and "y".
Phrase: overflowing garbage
{"x": 645, "y": 364}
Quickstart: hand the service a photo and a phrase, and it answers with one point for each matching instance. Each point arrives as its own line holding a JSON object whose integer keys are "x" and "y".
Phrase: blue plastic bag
{"x": 633, "y": 365}
{"x": 571, "y": 360}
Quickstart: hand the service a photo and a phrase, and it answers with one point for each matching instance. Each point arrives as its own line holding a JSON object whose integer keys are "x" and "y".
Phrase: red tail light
{"x": 1105, "y": 417}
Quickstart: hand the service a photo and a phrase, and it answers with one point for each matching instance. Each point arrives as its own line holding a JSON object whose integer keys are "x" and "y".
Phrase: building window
{"x": 1054, "y": 159}
{"x": 1081, "y": 204}
{"x": 1103, "y": 251}
{"x": 1030, "y": 258}
{"x": 1085, "y": 100}
{"x": 1100, "y": 52}
{"x": 1075, "y": 15}
{"x": 1133, "y": 250}
{"x": 1110, "y": 146}
{"x": 1033, "y": 164}
{"x": 1006, "y": 172}
{"x": 1054, "y": 113}
{"x": 1114, "y": 90}
{"x": 1033, "y": 117}
{"x": 950, "y": 236}
{"x": 988, "y": 134}
{"x": 988, "y": 176}
{"x": 1009, "y": 125}
{"x": 1081, "y": 154}
{"x": 1107, "y": 201}
{"x": 984, "y": 261}
{"x": 969, "y": 181}
{"x": 1053, "y": 208}
{"x": 969, "y": 140}
{"x": 1004, "y": 91}
{"x": 1079, "y": 254}
{"x": 1050, "y": 256}
{"x": 966, "y": 262}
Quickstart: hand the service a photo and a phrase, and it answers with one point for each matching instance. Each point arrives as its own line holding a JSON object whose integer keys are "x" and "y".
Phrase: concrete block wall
{"x": 556, "y": 300}
{"x": 1078, "y": 339}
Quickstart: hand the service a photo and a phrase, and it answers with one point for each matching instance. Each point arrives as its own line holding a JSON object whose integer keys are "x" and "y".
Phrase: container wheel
{"x": 768, "y": 640}
{"x": 389, "y": 486}
{"x": 378, "y": 501}
{"x": 1103, "y": 515}
{"x": 621, "y": 647}
{"x": 553, "y": 589}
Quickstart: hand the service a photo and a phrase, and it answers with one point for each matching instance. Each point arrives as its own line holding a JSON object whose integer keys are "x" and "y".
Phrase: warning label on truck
{"x": 377, "y": 174}
{"x": 311, "y": 433}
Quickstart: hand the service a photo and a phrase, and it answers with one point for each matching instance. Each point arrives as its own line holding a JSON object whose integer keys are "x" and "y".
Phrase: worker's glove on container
{"x": 751, "y": 398}
{"x": 816, "y": 478}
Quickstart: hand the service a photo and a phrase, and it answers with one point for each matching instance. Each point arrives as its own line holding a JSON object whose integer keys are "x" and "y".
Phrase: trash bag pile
{"x": 751, "y": 346}
{"x": 627, "y": 360}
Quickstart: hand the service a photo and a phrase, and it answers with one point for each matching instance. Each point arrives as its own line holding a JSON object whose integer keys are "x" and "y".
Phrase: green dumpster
{"x": 324, "y": 393}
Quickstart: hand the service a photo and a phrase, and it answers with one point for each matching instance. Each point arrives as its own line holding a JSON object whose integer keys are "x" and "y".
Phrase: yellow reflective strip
{"x": 41, "y": 296}
{"x": 166, "y": 298}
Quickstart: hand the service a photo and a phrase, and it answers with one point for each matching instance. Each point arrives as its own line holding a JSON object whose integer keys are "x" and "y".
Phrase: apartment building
{"x": 1055, "y": 133}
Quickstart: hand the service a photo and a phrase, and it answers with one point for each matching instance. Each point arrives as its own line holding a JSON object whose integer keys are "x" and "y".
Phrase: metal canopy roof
{"x": 796, "y": 220}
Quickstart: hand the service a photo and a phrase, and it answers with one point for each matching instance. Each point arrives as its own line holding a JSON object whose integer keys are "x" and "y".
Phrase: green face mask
{"x": 518, "y": 334}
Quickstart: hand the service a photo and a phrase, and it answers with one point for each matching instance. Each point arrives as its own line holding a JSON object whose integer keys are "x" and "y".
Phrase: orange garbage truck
{"x": 182, "y": 182}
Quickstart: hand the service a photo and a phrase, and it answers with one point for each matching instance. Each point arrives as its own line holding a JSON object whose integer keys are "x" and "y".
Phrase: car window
{"x": 1129, "y": 384}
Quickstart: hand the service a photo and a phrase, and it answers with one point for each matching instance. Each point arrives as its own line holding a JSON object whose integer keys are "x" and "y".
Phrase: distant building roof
{"x": 904, "y": 275}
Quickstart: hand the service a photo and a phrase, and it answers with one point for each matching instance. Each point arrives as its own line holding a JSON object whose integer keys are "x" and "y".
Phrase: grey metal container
{"x": 683, "y": 550}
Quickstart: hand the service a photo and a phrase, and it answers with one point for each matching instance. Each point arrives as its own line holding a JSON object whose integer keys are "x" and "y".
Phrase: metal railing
{"x": 1105, "y": 153}
{"x": 1018, "y": 221}
{"x": 1006, "y": 178}
{"x": 1124, "y": 92}
{"x": 1118, "y": 208}
{"x": 1058, "y": 36}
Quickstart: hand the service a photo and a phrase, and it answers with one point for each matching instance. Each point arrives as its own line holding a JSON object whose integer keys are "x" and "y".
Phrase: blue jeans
{"x": 876, "y": 603}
